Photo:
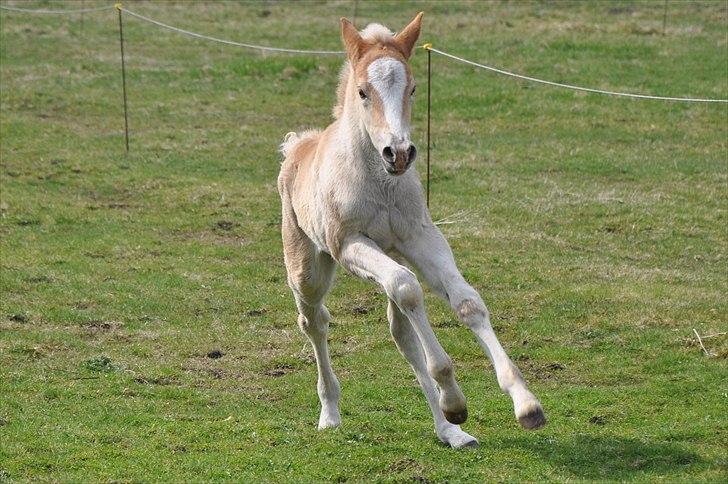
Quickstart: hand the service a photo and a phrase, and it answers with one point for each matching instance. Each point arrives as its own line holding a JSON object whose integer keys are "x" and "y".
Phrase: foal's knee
{"x": 314, "y": 320}
{"x": 471, "y": 309}
{"x": 405, "y": 290}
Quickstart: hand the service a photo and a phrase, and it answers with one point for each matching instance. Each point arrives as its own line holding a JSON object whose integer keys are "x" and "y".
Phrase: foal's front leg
{"x": 409, "y": 345}
{"x": 432, "y": 256}
{"x": 364, "y": 258}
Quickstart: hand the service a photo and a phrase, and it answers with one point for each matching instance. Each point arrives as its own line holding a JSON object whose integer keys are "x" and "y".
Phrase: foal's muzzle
{"x": 396, "y": 161}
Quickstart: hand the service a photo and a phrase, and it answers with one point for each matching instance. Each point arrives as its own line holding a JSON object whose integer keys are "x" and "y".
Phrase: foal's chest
{"x": 391, "y": 226}
{"x": 389, "y": 213}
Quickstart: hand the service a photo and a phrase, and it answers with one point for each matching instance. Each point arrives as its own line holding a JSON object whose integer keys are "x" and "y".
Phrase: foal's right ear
{"x": 352, "y": 41}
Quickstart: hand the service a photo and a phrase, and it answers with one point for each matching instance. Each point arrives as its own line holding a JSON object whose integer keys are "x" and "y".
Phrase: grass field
{"x": 146, "y": 329}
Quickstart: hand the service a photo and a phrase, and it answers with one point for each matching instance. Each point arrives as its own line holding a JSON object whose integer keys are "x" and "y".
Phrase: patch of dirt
{"x": 598, "y": 420}
{"x": 157, "y": 380}
{"x": 408, "y": 466}
{"x": 95, "y": 255}
{"x": 225, "y": 225}
{"x": 38, "y": 279}
{"x": 96, "y": 325}
{"x": 403, "y": 465}
{"x": 216, "y": 373}
{"x": 215, "y": 354}
{"x": 119, "y": 199}
{"x": 280, "y": 370}
{"x": 256, "y": 312}
{"x": 208, "y": 373}
{"x": 539, "y": 371}
{"x": 217, "y": 237}
{"x": 359, "y": 309}
{"x": 97, "y": 328}
{"x": 448, "y": 323}
{"x": 117, "y": 205}
{"x": 25, "y": 222}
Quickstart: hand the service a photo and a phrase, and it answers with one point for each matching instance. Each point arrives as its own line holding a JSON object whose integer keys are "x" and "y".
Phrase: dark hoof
{"x": 456, "y": 417}
{"x": 535, "y": 419}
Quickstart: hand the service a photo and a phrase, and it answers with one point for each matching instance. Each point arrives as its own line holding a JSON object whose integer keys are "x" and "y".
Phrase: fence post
{"x": 429, "y": 103}
{"x": 123, "y": 77}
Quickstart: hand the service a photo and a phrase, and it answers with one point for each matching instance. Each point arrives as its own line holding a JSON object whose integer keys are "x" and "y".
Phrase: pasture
{"x": 146, "y": 329}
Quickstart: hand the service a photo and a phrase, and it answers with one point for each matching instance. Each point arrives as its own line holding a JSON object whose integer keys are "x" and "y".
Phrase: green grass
{"x": 595, "y": 230}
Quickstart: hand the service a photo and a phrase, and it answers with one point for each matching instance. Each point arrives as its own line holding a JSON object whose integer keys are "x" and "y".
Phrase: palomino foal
{"x": 349, "y": 197}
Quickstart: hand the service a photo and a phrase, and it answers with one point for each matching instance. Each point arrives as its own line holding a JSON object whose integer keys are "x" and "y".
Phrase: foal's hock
{"x": 350, "y": 196}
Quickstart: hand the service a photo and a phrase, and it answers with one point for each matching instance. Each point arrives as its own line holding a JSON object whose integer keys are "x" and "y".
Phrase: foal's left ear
{"x": 409, "y": 35}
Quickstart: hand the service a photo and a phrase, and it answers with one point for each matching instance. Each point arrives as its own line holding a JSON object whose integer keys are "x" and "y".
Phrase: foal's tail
{"x": 291, "y": 140}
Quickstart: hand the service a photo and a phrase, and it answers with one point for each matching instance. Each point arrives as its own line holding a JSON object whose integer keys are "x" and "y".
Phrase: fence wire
{"x": 569, "y": 86}
{"x": 230, "y": 42}
{"x": 56, "y": 12}
{"x": 265, "y": 48}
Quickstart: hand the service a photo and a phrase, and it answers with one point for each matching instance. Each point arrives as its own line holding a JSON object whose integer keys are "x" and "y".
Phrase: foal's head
{"x": 384, "y": 87}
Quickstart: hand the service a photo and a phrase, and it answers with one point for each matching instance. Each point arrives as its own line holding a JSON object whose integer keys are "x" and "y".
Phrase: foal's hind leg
{"x": 310, "y": 274}
{"x": 314, "y": 322}
{"x": 410, "y": 347}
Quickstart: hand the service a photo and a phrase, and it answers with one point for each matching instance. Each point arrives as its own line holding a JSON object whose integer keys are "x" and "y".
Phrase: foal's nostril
{"x": 411, "y": 154}
{"x": 388, "y": 154}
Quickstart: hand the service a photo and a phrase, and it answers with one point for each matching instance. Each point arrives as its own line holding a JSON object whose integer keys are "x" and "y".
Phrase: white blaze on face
{"x": 389, "y": 78}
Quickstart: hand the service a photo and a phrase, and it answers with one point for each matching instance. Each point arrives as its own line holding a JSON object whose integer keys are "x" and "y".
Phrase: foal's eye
{"x": 414, "y": 88}
{"x": 362, "y": 94}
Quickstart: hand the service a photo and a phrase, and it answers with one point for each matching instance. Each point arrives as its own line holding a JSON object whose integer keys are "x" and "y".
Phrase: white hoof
{"x": 329, "y": 420}
{"x": 453, "y": 436}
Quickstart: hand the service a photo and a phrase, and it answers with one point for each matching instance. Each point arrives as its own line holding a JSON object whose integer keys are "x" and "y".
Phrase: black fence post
{"x": 123, "y": 77}
{"x": 429, "y": 104}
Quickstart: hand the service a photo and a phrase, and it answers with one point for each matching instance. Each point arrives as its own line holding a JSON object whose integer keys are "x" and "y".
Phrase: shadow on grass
{"x": 611, "y": 457}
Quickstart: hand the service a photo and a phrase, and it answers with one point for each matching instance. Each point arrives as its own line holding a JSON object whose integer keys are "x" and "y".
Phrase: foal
{"x": 349, "y": 198}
